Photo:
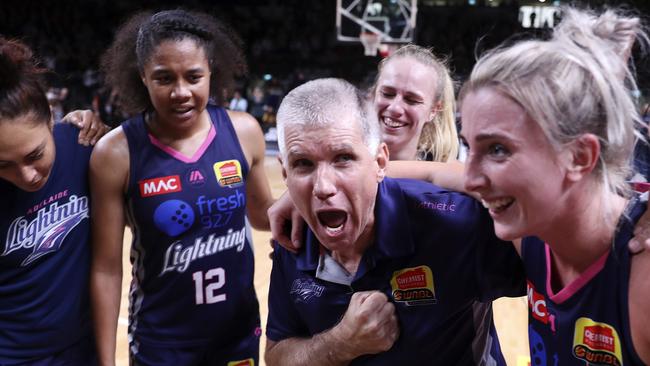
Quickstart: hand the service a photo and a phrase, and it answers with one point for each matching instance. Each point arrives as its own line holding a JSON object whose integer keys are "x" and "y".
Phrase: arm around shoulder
{"x": 109, "y": 167}
{"x": 447, "y": 175}
{"x": 639, "y": 298}
{"x": 258, "y": 192}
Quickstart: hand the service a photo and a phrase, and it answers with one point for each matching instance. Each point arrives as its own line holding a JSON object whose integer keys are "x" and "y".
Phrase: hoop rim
{"x": 371, "y": 42}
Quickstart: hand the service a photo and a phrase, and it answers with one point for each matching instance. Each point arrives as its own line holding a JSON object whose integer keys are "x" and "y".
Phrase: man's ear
{"x": 382, "y": 161}
{"x": 584, "y": 153}
{"x": 284, "y": 172}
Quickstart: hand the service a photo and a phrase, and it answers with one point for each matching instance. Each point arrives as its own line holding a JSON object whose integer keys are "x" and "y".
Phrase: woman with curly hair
{"x": 185, "y": 174}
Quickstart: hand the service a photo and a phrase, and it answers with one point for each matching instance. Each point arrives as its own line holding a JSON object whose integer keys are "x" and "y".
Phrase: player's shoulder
{"x": 66, "y": 133}
{"x": 113, "y": 142}
{"x": 112, "y": 150}
{"x": 414, "y": 186}
{"x": 249, "y": 133}
{"x": 243, "y": 122}
{"x": 430, "y": 194}
{"x": 66, "y": 139}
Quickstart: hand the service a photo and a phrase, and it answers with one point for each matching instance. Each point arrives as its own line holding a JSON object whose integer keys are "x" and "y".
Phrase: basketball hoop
{"x": 371, "y": 42}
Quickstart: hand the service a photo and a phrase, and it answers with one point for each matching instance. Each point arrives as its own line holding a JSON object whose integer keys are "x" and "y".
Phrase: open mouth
{"x": 181, "y": 110}
{"x": 333, "y": 220}
{"x": 389, "y": 122}
{"x": 498, "y": 205}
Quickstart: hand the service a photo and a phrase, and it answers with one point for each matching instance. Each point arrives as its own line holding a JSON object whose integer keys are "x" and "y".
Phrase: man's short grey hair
{"x": 325, "y": 103}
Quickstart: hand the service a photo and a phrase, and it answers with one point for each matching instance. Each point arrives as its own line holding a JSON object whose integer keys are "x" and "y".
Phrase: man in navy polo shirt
{"x": 394, "y": 272}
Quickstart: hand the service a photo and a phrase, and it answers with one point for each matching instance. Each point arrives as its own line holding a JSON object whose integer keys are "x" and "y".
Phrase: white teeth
{"x": 334, "y": 230}
{"x": 498, "y": 204}
{"x": 183, "y": 110}
{"x": 392, "y": 123}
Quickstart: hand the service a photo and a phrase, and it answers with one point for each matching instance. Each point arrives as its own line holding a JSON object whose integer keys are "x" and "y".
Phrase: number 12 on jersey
{"x": 207, "y": 295}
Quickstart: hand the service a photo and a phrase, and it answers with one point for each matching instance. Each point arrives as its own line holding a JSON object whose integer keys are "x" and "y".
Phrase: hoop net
{"x": 371, "y": 42}
{"x": 387, "y": 49}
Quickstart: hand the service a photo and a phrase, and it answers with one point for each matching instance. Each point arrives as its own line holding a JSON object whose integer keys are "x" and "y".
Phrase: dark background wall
{"x": 289, "y": 40}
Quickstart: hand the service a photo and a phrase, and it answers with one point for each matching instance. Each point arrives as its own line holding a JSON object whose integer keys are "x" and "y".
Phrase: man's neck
{"x": 351, "y": 258}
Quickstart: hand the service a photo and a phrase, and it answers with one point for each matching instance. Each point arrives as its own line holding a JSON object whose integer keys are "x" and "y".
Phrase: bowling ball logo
{"x": 173, "y": 217}
{"x": 537, "y": 348}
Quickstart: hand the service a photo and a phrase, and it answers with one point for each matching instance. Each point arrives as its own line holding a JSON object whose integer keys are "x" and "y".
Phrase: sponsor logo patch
{"x": 195, "y": 177}
{"x": 414, "y": 286}
{"x": 246, "y": 362}
{"x": 536, "y": 304}
{"x": 173, "y": 217}
{"x": 596, "y": 343}
{"x": 229, "y": 173}
{"x": 160, "y": 185}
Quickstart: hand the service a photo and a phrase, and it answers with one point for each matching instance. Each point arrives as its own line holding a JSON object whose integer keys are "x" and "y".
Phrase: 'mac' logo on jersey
{"x": 537, "y": 304}
{"x": 162, "y": 185}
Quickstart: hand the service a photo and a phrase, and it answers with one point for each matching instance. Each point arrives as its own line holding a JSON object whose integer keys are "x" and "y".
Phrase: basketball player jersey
{"x": 191, "y": 252}
{"x": 45, "y": 258}
{"x": 587, "y": 322}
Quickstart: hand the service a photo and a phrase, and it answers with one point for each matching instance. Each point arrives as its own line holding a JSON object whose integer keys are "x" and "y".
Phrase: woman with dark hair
{"x": 185, "y": 174}
{"x": 44, "y": 225}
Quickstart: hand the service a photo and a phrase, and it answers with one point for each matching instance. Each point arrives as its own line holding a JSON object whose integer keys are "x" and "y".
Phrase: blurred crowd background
{"x": 286, "y": 42}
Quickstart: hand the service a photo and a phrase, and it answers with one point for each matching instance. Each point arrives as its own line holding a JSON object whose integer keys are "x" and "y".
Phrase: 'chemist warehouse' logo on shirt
{"x": 596, "y": 343}
{"x": 228, "y": 173}
{"x": 413, "y": 286}
{"x": 46, "y": 232}
{"x": 246, "y": 362}
{"x": 306, "y": 289}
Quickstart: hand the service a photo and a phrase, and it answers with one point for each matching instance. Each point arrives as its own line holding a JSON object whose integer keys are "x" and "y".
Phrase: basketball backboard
{"x": 393, "y": 20}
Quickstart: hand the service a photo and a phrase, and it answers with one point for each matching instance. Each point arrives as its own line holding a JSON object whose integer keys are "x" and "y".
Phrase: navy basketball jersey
{"x": 45, "y": 258}
{"x": 587, "y": 322}
{"x": 191, "y": 254}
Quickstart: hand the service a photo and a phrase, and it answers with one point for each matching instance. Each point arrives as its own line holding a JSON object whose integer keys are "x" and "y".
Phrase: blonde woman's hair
{"x": 439, "y": 137}
{"x": 575, "y": 83}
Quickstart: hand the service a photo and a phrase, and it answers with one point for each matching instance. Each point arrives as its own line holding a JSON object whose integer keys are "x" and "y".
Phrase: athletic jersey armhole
{"x": 133, "y": 131}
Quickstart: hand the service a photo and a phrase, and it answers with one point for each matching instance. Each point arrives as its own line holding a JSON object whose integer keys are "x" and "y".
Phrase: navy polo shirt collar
{"x": 390, "y": 240}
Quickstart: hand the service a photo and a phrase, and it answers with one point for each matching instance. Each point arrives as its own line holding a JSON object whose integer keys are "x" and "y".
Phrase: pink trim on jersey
{"x": 180, "y": 156}
{"x": 580, "y": 282}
